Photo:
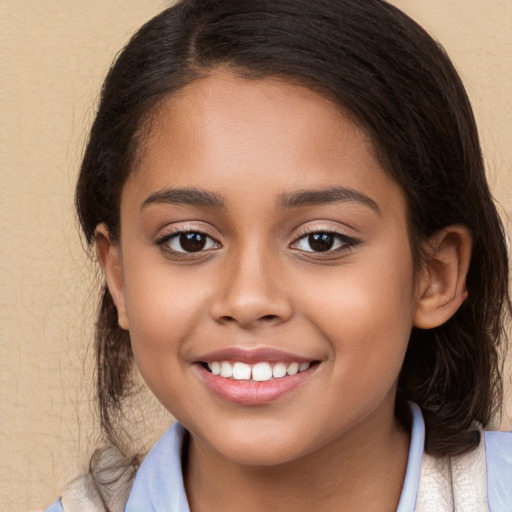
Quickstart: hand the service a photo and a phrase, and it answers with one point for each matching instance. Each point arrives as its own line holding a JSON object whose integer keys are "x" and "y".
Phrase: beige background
{"x": 54, "y": 54}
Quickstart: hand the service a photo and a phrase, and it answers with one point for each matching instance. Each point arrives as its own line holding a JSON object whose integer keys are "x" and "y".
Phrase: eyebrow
{"x": 188, "y": 196}
{"x": 325, "y": 196}
{"x": 301, "y": 198}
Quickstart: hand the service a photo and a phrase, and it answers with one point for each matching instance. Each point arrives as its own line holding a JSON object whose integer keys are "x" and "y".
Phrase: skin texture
{"x": 259, "y": 285}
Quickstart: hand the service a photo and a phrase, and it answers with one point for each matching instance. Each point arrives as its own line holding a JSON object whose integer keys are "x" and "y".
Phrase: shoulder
{"x": 107, "y": 490}
{"x": 78, "y": 495}
{"x": 116, "y": 486}
{"x": 480, "y": 480}
{"x": 498, "y": 450}
{"x": 56, "y": 506}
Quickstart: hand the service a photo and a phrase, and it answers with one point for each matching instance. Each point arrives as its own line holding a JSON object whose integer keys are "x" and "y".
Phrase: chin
{"x": 260, "y": 456}
{"x": 257, "y": 446}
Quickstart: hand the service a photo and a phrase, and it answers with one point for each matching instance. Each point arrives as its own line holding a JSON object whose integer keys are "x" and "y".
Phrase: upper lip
{"x": 251, "y": 356}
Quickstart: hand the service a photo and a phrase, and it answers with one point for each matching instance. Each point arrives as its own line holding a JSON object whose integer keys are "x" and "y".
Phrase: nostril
{"x": 227, "y": 318}
{"x": 269, "y": 317}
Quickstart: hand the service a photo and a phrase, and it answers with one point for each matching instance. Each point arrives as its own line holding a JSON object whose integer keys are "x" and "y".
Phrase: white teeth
{"x": 303, "y": 366}
{"x": 292, "y": 369}
{"x": 259, "y": 372}
{"x": 241, "y": 371}
{"x": 226, "y": 370}
{"x": 279, "y": 370}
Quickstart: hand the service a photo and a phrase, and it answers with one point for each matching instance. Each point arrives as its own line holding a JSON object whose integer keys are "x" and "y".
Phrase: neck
{"x": 361, "y": 470}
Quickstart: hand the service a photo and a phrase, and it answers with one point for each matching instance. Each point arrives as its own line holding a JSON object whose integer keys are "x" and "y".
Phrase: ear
{"x": 108, "y": 254}
{"x": 442, "y": 281}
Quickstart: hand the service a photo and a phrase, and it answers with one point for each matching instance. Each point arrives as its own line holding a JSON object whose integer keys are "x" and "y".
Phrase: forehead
{"x": 227, "y": 131}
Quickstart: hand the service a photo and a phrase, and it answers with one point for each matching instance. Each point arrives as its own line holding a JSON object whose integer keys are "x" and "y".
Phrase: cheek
{"x": 365, "y": 312}
{"x": 162, "y": 310}
{"x": 158, "y": 295}
{"x": 164, "y": 307}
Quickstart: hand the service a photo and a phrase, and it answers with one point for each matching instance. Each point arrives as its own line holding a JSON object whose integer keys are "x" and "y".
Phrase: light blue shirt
{"x": 159, "y": 487}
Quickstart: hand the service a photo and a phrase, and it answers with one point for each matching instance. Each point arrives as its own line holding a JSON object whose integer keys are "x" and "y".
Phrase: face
{"x": 265, "y": 273}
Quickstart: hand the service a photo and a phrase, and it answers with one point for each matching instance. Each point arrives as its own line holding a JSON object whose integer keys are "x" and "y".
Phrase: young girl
{"x": 303, "y": 258}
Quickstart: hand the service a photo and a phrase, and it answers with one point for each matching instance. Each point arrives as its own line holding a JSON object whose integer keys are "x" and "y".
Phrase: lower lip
{"x": 248, "y": 392}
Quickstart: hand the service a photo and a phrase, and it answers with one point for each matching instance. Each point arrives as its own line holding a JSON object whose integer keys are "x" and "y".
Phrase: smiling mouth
{"x": 258, "y": 372}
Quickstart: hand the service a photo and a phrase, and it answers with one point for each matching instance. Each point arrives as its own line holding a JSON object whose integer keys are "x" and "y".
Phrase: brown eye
{"x": 192, "y": 242}
{"x": 324, "y": 241}
{"x": 321, "y": 242}
{"x": 189, "y": 242}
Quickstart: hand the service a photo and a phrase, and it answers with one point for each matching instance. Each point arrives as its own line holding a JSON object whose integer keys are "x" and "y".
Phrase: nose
{"x": 252, "y": 293}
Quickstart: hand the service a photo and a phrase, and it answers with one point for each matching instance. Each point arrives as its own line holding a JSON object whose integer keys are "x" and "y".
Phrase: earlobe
{"x": 442, "y": 282}
{"x": 109, "y": 257}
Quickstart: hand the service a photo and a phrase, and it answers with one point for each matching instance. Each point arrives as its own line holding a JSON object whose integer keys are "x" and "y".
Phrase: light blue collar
{"x": 412, "y": 475}
{"x": 158, "y": 485}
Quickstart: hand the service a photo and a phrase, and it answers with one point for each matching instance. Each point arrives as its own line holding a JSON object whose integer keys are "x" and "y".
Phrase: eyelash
{"x": 345, "y": 242}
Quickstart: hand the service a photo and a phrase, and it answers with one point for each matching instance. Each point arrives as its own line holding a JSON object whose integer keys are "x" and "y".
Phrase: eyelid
{"x": 186, "y": 227}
